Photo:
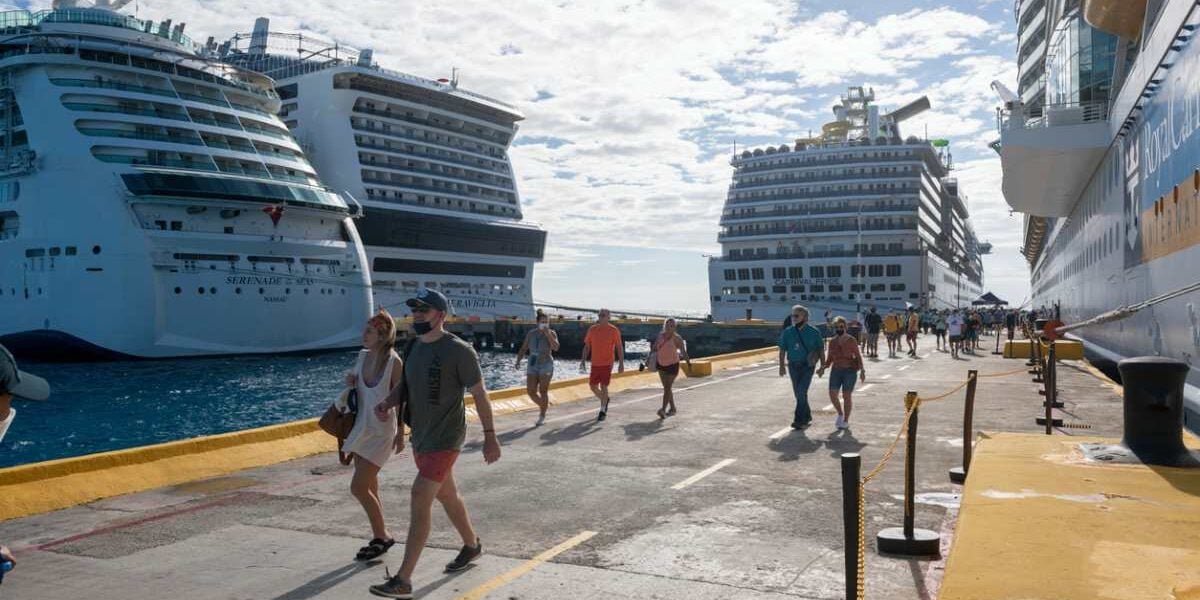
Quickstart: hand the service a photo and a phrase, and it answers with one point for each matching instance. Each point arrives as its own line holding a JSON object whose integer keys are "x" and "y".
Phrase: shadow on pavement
{"x": 318, "y": 585}
{"x": 791, "y": 446}
{"x": 637, "y": 431}
{"x": 841, "y": 442}
{"x": 571, "y": 432}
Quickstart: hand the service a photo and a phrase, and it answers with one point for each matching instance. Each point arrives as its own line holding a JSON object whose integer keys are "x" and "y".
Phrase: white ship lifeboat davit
{"x": 1048, "y": 158}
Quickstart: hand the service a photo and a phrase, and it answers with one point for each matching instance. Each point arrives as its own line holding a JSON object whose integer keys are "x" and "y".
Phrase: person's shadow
{"x": 841, "y": 442}
{"x": 637, "y": 431}
{"x": 792, "y": 445}
{"x": 505, "y": 439}
{"x": 569, "y": 433}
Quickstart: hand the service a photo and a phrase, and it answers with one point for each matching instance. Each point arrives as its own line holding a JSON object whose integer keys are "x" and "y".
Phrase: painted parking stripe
{"x": 525, "y": 567}
{"x": 888, "y": 376}
{"x": 904, "y": 367}
{"x": 865, "y": 387}
{"x": 780, "y": 433}
{"x": 703, "y": 474}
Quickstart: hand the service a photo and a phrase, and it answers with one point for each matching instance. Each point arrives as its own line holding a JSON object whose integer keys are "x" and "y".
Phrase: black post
{"x": 959, "y": 474}
{"x": 851, "y": 468}
{"x": 997, "y": 350}
{"x": 908, "y": 540}
{"x": 1154, "y": 410}
{"x": 1049, "y": 386}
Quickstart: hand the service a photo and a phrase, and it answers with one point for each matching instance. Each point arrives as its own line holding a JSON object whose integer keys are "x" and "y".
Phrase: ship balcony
{"x": 1049, "y": 154}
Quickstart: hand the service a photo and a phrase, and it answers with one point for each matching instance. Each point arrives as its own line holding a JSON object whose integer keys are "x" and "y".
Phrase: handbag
{"x": 339, "y": 423}
{"x": 652, "y": 358}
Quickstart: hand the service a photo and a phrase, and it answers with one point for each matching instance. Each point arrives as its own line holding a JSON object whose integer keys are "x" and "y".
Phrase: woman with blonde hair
{"x": 846, "y": 361}
{"x": 667, "y": 350}
{"x": 371, "y": 442}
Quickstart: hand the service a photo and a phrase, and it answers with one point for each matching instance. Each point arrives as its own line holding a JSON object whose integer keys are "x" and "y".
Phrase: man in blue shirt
{"x": 803, "y": 348}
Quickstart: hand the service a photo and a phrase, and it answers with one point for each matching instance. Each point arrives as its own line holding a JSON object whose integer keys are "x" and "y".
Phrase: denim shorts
{"x": 539, "y": 366}
{"x": 842, "y": 379}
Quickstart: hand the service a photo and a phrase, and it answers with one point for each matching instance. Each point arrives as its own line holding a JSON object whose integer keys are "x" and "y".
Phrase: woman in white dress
{"x": 371, "y": 442}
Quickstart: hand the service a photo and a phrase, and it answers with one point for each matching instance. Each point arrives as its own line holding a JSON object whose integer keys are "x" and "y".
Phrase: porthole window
{"x": 305, "y": 291}
{"x": 237, "y": 290}
{"x": 261, "y": 291}
{"x": 212, "y": 290}
{"x": 95, "y": 249}
{"x": 178, "y": 290}
{"x": 200, "y": 291}
{"x": 287, "y": 290}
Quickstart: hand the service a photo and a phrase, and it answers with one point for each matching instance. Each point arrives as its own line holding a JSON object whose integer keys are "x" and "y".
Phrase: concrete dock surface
{"x": 723, "y": 500}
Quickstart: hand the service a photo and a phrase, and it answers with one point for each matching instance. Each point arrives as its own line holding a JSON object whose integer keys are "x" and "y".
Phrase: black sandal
{"x": 374, "y": 549}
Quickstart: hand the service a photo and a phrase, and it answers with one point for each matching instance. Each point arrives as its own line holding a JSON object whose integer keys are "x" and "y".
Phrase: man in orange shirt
{"x": 601, "y": 342}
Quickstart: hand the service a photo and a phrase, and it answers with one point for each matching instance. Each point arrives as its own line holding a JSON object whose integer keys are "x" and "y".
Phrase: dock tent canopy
{"x": 989, "y": 299}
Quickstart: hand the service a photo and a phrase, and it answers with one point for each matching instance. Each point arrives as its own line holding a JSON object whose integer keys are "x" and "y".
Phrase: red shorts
{"x": 435, "y": 466}
{"x": 601, "y": 375}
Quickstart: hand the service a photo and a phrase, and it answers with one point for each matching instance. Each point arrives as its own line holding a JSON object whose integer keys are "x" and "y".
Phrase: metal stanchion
{"x": 959, "y": 474}
{"x": 908, "y": 540}
{"x": 997, "y": 350}
{"x": 1051, "y": 367}
{"x": 851, "y": 468}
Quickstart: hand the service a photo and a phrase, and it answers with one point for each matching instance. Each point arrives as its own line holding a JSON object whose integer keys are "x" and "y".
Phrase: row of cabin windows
{"x": 815, "y": 272}
{"x": 816, "y": 287}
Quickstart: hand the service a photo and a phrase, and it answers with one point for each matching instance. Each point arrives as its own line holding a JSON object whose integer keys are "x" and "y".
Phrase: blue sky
{"x": 633, "y": 108}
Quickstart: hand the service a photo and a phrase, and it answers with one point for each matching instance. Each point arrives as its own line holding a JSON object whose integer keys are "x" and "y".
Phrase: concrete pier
{"x": 723, "y": 500}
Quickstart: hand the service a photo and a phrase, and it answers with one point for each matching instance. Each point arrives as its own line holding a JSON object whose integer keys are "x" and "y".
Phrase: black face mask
{"x": 840, "y": 331}
{"x": 422, "y": 328}
{"x": 799, "y": 322}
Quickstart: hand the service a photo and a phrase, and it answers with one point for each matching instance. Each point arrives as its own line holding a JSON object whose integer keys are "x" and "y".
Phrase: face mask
{"x": 422, "y": 328}
{"x": 799, "y": 323}
{"x": 543, "y": 326}
{"x": 840, "y": 331}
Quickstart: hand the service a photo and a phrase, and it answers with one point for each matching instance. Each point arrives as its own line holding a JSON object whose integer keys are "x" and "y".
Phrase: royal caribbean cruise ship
{"x": 152, "y": 204}
{"x": 427, "y": 160}
{"x": 857, "y": 217}
{"x": 1100, "y": 147}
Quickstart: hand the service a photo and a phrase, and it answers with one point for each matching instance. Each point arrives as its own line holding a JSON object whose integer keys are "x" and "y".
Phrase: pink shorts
{"x": 435, "y": 466}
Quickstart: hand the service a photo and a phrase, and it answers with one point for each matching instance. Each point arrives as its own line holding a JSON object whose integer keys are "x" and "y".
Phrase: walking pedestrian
{"x": 668, "y": 349}
{"x": 1010, "y": 323}
{"x": 939, "y": 329}
{"x": 912, "y": 328}
{"x": 438, "y": 368}
{"x": 15, "y": 383}
{"x": 377, "y": 371}
{"x": 891, "y": 330}
{"x": 954, "y": 327}
{"x": 801, "y": 347}
{"x": 600, "y": 343}
{"x": 845, "y": 362}
{"x": 540, "y": 344}
{"x": 874, "y": 325}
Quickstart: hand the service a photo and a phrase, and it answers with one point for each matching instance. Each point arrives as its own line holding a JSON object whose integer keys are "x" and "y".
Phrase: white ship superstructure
{"x": 1102, "y": 154}
{"x": 857, "y": 217}
{"x": 152, "y": 204}
{"x": 427, "y": 160}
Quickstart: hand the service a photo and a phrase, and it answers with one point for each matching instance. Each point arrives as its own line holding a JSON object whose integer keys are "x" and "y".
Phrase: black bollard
{"x": 959, "y": 474}
{"x": 908, "y": 540}
{"x": 1154, "y": 410}
{"x": 851, "y": 468}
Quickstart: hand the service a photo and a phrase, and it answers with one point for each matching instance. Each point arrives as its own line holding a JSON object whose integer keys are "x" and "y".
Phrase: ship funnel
{"x": 258, "y": 38}
{"x": 909, "y": 110}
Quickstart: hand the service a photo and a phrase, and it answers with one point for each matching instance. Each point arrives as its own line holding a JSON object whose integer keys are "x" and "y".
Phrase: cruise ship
{"x": 1100, "y": 147}
{"x": 427, "y": 160}
{"x": 854, "y": 218}
{"x": 153, "y": 205}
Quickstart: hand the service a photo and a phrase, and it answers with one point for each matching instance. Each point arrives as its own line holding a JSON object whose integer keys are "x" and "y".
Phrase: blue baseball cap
{"x": 19, "y": 383}
{"x": 431, "y": 298}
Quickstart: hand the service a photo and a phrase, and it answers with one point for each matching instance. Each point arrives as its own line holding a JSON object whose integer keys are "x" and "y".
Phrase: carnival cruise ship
{"x": 856, "y": 217}
{"x": 152, "y": 204}
{"x": 427, "y": 160}
{"x": 1100, "y": 147}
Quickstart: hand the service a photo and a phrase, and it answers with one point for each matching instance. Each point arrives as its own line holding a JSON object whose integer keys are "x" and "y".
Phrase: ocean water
{"x": 96, "y": 407}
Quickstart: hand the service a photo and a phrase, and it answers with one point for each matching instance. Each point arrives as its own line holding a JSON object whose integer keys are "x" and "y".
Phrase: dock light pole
{"x": 908, "y": 540}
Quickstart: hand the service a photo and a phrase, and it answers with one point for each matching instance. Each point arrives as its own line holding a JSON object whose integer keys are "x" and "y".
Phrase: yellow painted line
{"x": 703, "y": 474}
{"x": 529, "y": 565}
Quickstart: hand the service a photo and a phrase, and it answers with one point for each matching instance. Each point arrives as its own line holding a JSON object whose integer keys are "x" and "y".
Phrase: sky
{"x": 633, "y": 109}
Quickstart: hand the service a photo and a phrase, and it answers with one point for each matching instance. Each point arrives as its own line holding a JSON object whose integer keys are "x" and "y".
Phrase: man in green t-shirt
{"x": 801, "y": 347}
{"x": 436, "y": 371}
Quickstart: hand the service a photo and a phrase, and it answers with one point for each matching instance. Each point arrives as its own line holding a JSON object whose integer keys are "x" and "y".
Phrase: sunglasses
{"x": 420, "y": 310}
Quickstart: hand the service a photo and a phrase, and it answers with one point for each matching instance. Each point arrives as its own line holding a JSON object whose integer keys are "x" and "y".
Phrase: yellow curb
{"x": 53, "y": 485}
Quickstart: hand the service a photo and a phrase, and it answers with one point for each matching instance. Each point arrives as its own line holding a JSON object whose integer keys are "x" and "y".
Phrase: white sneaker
{"x": 845, "y": 424}
{"x": 839, "y": 422}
